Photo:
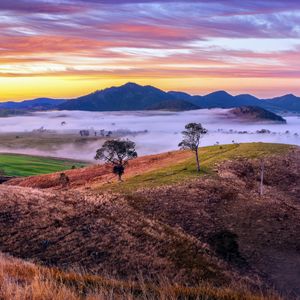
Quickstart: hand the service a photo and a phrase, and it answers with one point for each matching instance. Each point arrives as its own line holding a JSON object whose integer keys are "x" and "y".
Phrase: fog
{"x": 163, "y": 129}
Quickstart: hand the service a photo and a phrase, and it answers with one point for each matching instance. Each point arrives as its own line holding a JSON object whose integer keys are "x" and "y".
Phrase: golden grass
{"x": 21, "y": 280}
{"x": 185, "y": 169}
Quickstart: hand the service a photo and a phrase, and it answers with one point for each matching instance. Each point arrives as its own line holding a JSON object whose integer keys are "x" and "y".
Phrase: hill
{"x": 36, "y": 104}
{"x": 166, "y": 220}
{"x": 25, "y": 280}
{"x": 125, "y": 98}
{"x": 286, "y": 103}
{"x": 252, "y": 113}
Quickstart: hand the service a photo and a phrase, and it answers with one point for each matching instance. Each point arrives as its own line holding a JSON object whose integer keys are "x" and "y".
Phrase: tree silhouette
{"x": 191, "y": 139}
{"x": 118, "y": 153}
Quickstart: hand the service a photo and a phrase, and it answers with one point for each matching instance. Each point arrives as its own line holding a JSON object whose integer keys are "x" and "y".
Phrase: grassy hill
{"x": 198, "y": 236}
{"x": 26, "y": 165}
{"x": 178, "y": 171}
{"x": 157, "y": 170}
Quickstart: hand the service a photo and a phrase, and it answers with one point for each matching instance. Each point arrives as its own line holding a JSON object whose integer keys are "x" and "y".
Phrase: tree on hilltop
{"x": 191, "y": 139}
{"x": 118, "y": 153}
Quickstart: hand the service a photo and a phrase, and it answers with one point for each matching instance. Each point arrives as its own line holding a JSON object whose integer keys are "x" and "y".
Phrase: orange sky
{"x": 70, "y": 48}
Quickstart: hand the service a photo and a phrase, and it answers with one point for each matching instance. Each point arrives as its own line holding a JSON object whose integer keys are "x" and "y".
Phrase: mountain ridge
{"x": 132, "y": 96}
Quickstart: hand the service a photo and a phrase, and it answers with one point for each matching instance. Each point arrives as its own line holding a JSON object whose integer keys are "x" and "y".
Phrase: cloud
{"x": 150, "y": 38}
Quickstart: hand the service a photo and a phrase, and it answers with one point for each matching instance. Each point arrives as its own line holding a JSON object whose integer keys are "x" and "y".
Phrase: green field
{"x": 26, "y": 165}
{"x": 209, "y": 156}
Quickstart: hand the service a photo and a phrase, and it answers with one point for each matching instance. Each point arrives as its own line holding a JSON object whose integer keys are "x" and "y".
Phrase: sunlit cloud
{"x": 148, "y": 41}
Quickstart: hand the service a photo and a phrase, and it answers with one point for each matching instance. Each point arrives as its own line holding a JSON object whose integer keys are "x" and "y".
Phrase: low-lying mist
{"x": 153, "y": 132}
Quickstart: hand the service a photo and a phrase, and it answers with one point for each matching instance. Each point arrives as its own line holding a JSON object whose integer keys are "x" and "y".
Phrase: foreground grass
{"x": 20, "y": 280}
{"x": 209, "y": 157}
{"x": 26, "y": 165}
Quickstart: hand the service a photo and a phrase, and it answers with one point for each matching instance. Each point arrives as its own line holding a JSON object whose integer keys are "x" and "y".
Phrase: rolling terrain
{"x": 167, "y": 221}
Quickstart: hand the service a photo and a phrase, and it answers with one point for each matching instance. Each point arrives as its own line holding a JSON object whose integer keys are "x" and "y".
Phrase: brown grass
{"x": 21, "y": 280}
{"x": 165, "y": 231}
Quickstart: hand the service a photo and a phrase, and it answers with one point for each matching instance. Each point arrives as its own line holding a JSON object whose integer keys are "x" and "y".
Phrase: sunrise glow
{"x": 68, "y": 48}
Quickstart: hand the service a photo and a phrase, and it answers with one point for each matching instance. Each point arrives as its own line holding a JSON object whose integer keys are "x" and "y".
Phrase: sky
{"x": 68, "y": 48}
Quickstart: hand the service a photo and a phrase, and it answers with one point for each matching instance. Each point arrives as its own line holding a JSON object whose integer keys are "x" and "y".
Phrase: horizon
{"x": 129, "y": 82}
{"x": 68, "y": 48}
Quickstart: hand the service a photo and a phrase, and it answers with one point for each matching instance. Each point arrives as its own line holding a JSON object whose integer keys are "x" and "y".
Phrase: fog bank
{"x": 162, "y": 130}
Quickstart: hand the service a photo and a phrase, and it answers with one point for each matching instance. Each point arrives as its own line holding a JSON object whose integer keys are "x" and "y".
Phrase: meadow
{"x": 26, "y": 165}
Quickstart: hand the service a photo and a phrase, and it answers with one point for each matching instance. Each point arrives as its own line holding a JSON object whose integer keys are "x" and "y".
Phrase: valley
{"x": 76, "y": 134}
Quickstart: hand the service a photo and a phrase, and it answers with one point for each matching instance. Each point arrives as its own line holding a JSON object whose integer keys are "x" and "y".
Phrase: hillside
{"x": 24, "y": 280}
{"x": 288, "y": 102}
{"x": 124, "y": 98}
{"x": 166, "y": 220}
{"x": 252, "y": 113}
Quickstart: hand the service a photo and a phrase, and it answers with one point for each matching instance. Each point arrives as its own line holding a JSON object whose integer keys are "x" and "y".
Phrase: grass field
{"x": 26, "y": 165}
{"x": 209, "y": 156}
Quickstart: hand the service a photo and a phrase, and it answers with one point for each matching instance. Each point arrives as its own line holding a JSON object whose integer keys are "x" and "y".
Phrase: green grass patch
{"x": 26, "y": 165}
{"x": 209, "y": 156}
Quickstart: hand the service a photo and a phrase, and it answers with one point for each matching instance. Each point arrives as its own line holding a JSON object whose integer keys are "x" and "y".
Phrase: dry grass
{"x": 158, "y": 230}
{"x": 153, "y": 170}
{"x": 21, "y": 280}
{"x": 102, "y": 174}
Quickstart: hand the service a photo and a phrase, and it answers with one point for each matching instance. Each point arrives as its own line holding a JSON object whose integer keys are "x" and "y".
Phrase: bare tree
{"x": 191, "y": 139}
{"x": 118, "y": 153}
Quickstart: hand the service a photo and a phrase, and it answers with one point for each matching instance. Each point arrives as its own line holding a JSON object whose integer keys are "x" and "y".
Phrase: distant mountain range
{"x": 35, "y": 104}
{"x": 132, "y": 96}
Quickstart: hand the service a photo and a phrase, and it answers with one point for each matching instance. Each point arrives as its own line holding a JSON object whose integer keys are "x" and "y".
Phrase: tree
{"x": 118, "y": 153}
{"x": 191, "y": 139}
{"x": 64, "y": 179}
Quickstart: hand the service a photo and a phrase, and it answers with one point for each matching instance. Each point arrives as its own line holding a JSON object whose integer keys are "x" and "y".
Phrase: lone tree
{"x": 118, "y": 153}
{"x": 191, "y": 139}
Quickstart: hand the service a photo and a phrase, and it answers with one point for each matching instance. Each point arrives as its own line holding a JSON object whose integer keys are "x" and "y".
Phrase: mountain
{"x": 128, "y": 97}
{"x": 36, "y": 104}
{"x": 219, "y": 99}
{"x": 132, "y": 96}
{"x": 222, "y": 99}
{"x": 253, "y": 113}
{"x": 174, "y": 105}
{"x": 181, "y": 95}
{"x": 288, "y": 102}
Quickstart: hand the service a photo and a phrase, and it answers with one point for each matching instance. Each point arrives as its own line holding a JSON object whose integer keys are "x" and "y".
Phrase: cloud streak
{"x": 168, "y": 39}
